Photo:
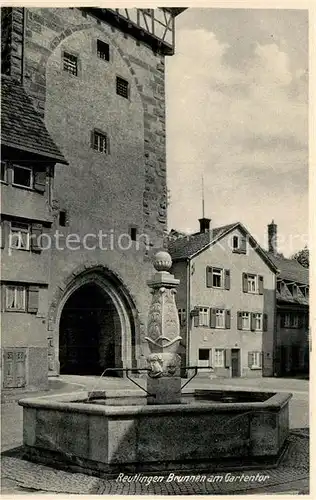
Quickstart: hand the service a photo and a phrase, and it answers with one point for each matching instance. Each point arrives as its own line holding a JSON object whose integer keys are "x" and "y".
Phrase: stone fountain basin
{"x": 103, "y": 433}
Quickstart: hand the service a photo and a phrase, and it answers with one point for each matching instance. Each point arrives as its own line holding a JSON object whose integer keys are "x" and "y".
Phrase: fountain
{"x": 163, "y": 427}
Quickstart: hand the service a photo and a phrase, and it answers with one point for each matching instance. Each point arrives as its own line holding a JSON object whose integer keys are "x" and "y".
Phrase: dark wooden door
{"x": 235, "y": 362}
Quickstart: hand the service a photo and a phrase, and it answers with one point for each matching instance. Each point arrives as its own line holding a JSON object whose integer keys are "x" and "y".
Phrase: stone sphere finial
{"x": 162, "y": 261}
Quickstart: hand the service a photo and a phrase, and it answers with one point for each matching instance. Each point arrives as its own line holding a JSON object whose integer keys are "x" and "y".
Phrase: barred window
{"x": 70, "y": 63}
{"x": 99, "y": 142}
{"x": 122, "y": 87}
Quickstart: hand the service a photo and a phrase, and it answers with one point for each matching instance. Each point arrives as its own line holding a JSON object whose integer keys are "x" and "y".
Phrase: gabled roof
{"x": 189, "y": 246}
{"x": 21, "y": 125}
{"x": 290, "y": 269}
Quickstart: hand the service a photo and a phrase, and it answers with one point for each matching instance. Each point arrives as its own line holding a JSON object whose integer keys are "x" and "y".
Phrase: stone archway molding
{"x": 111, "y": 284}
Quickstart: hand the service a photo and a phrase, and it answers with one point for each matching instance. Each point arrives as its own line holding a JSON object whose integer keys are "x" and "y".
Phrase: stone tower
{"x": 97, "y": 77}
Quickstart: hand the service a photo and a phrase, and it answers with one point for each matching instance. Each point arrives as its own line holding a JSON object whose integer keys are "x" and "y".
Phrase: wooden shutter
{"x": 209, "y": 276}
{"x": 5, "y": 231}
{"x": 37, "y": 230}
{"x": 265, "y": 322}
{"x": 196, "y": 320}
{"x": 8, "y": 369}
{"x": 244, "y": 282}
{"x": 20, "y": 369}
{"x": 40, "y": 180}
{"x": 252, "y": 322}
{"x": 261, "y": 359}
{"x": 213, "y": 318}
{"x": 227, "y": 279}
{"x": 227, "y": 355}
{"x": 227, "y": 319}
{"x": 243, "y": 244}
{"x": 250, "y": 359}
{"x": 260, "y": 278}
{"x": 32, "y": 299}
{"x": 239, "y": 320}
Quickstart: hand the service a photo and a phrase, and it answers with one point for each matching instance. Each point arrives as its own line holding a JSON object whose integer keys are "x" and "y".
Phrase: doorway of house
{"x": 89, "y": 337}
{"x": 235, "y": 362}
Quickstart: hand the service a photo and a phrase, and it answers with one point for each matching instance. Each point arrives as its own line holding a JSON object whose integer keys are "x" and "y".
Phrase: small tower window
{"x": 122, "y": 87}
{"x": 70, "y": 63}
{"x": 62, "y": 218}
{"x": 99, "y": 142}
{"x": 103, "y": 50}
{"x": 133, "y": 233}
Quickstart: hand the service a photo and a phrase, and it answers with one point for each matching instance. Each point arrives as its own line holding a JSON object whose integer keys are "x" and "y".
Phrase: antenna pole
{"x": 203, "y": 207}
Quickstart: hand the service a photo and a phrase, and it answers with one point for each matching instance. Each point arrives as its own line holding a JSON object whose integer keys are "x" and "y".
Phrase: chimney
{"x": 204, "y": 225}
{"x": 272, "y": 237}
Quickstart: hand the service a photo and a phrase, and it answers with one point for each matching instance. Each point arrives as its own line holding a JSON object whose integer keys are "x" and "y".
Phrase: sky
{"x": 237, "y": 113}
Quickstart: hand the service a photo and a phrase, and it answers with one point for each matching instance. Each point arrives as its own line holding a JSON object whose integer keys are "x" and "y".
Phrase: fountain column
{"x": 163, "y": 335}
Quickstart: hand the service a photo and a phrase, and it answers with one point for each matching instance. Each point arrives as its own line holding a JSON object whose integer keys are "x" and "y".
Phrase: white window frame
{"x": 24, "y": 228}
{"x": 256, "y": 359}
{"x": 14, "y": 166}
{"x": 245, "y": 317}
{"x": 204, "y": 316}
{"x": 258, "y": 321}
{"x": 15, "y": 289}
{"x": 216, "y": 271}
{"x": 220, "y": 318}
{"x": 252, "y": 279}
{"x": 182, "y": 316}
{"x": 219, "y": 358}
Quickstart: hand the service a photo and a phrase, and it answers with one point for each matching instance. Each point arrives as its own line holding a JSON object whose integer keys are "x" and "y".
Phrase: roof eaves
{"x": 58, "y": 159}
{"x": 214, "y": 240}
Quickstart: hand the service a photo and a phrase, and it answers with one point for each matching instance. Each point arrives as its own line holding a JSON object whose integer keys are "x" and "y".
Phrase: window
{"x": 239, "y": 244}
{"x": 217, "y": 278}
{"x": 182, "y": 317}
{"x": 203, "y": 316}
{"x": 219, "y": 358}
{"x": 62, "y": 218}
{"x": 254, "y": 359}
{"x": 15, "y": 298}
{"x": 70, "y": 63}
{"x": 290, "y": 320}
{"x": 217, "y": 281}
{"x": 22, "y": 176}
{"x": 99, "y": 142}
{"x": 133, "y": 233}
{"x": 245, "y": 321}
{"x": 257, "y": 318}
{"x": 204, "y": 354}
{"x": 220, "y": 318}
{"x": 20, "y": 236}
{"x": 252, "y": 283}
{"x": 3, "y": 177}
{"x": 235, "y": 242}
{"x": 122, "y": 87}
{"x": 103, "y": 50}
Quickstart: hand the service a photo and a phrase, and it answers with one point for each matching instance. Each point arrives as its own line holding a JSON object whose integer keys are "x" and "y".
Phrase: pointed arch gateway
{"x": 96, "y": 325}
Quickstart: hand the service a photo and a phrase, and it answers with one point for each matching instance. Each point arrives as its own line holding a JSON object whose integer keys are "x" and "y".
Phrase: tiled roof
{"x": 187, "y": 246}
{"x": 21, "y": 125}
{"x": 290, "y": 269}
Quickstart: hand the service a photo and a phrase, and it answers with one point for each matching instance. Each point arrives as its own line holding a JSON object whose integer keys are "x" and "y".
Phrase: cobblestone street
{"x": 292, "y": 475}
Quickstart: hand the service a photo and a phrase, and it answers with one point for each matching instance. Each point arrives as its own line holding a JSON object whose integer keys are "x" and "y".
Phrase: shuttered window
{"x": 21, "y": 298}
{"x": 255, "y": 359}
{"x": 252, "y": 283}
{"x": 217, "y": 278}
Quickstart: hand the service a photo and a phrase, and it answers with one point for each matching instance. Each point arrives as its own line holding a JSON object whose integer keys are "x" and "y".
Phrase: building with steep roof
{"x": 96, "y": 78}
{"x": 28, "y": 159}
{"x": 226, "y": 301}
{"x": 292, "y": 312}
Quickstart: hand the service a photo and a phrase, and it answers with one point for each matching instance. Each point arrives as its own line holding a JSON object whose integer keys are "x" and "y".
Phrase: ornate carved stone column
{"x": 164, "y": 381}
